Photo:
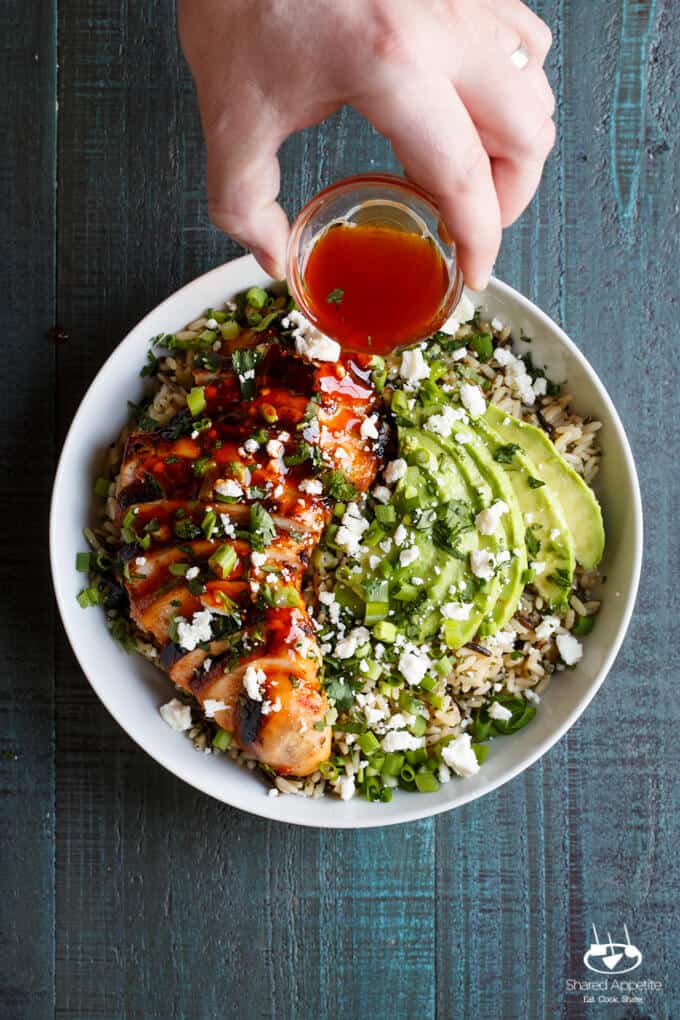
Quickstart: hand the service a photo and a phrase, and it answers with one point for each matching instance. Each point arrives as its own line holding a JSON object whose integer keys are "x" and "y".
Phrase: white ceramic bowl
{"x": 133, "y": 690}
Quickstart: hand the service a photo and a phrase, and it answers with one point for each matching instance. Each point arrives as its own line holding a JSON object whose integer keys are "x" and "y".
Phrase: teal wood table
{"x": 124, "y": 893}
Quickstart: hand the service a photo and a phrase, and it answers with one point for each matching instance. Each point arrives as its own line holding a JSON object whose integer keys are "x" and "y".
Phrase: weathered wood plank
{"x": 27, "y": 162}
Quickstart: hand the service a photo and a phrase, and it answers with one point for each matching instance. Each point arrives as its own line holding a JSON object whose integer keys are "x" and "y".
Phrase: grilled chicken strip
{"x": 220, "y": 513}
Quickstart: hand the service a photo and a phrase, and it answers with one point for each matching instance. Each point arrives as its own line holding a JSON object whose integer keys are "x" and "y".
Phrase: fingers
{"x": 439, "y": 148}
{"x": 533, "y": 32}
{"x": 512, "y": 111}
{"x": 243, "y": 180}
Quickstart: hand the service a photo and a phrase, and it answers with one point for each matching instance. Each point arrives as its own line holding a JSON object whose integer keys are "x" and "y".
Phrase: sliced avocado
{"x": 512, "y": 572}
{"x": 579, "y": 505}
{"x": 446, "y": 485}
{"x": 541, "y": 512}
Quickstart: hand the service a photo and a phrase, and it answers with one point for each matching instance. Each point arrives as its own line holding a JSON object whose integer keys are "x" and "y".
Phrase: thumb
{"x": 243, "y": 181}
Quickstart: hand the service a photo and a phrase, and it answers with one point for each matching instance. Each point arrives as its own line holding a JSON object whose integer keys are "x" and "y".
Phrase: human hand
{"x": 434, "y": 76}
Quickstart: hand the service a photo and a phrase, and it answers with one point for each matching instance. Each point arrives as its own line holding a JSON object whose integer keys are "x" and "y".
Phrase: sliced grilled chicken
{"x": 220, "y": 513}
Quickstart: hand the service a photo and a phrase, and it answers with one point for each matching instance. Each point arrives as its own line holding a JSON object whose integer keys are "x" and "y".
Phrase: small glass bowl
{"x": 377, "y": 200}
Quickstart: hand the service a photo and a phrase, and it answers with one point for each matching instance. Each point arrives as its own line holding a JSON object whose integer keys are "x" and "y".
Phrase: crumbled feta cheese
{"x": 408, "y": 556}
{"x": 540, "y": 386}
{"x": 463, "y": 312}
{"x": 374, "y": 562}
{"x": 326, "y": 598}
{"x": 274, "y": 448}
{"x": 382, "y": 494}
{"x": 310, "y": 343}
{"x": 229, "y": 488}
{"x": 268, "y": 706}
{"x": 456, "y": 611}
{"x": 504, "y": 556}
{"x": 538, "y": 567}
{"x": 443, "y": 424}
{"x": 460, "y": 757}
{"x": 414, "y": 368}
{"x": 211, "y": 323}
{"x": 443, "y": 774}
{"x": 497, "y": 325}
{"x": 482, "y": 563}
{"x": 251, "y": 445}
{"x": 395, "y": 470}
{"x": 547, "y": 627}
{"x": 569, "y": 648}
{"x": 498, "y": 711}
{"x": 312, "y": 486}
{"x": 554, "y": 534}
{"x": 228, "y": 525}
{"x": 502, "y": 641}
{"x": 462, "y": 438}
{"x": 413, "y": 666}
{"x": 254, "y": 680}
{"x": 400, "y": 740}
{"x": 459, "y": 354}
{"x": 258, "y": 559}
{"x": 400, "y": 535}
{"x": 532, "y": 697}
{"x": 194, "y": 434}
{"x": 346, "y": 787}
{"x": 487, "y": 521}
{"x": 195, "y": 632}
{"x": 369, "y": 428}
{"x": 140, "y": 561}
{"x": 191, "y": 573}
{"x": 503, "y": 356}
{"x": 176, "y": 715}
{"x": 211, "y": 706}
{"x": 352, "y": 527}
{"x": 346, "y": 648}
{"x": 472, "y": 399}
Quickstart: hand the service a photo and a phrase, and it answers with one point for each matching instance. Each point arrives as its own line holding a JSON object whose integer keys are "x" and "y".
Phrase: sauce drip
{"x": 374, "y": 288}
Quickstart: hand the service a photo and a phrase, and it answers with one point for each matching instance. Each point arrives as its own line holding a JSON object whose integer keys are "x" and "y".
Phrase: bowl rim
{"x": 269, "y": 808}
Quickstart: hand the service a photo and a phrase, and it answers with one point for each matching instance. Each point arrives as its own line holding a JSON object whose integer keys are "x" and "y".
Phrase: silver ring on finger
{"x": 520, "y": 57}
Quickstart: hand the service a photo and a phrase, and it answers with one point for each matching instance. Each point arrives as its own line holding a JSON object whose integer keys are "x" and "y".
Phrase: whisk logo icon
{"x": 612, "y": 957}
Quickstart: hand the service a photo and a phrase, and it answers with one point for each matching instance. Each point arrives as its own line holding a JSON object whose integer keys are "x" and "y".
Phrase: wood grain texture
{"x": 27, "y": 178}
{"x": 168, "y": 904}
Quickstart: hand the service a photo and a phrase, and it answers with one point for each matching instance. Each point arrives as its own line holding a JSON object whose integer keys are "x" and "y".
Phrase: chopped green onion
{"x": 407, "y": 773}
{"x": 482, "y": 345}
{"x": 393, "y": 764}
{"x": 223, "y": 560}
{"x": 230, "y": 330}
{"x": 196, "y": 401}
{"x": 256, "y": 297}
{"x": 386, "y": 514}
{"x": 222, "y": 740}
{"x": 83, "y": 562}
{"x": 385, "y": 631}
{"x": 368, "y": 742}
{"x": 426, "y": 782}
{"x": 583, "y": 625}
{"x": 178, "y": 569}
{"x": 328, "y": 770}
{"x": 209, "y": 523}
{"x": 101, "y": 487}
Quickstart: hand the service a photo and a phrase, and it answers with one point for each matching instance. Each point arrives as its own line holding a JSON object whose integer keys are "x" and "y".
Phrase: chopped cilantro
{"x": 335, "y": 296}
{"x": 262, "y": 527}
{"x": 504, "y": 454}
{"x": 339, "y": 487}
{"x": 245, "y": 362}
{"x": 532, "y": 543}
{"x": 535, "y": 483}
